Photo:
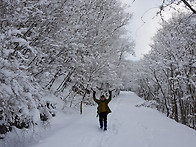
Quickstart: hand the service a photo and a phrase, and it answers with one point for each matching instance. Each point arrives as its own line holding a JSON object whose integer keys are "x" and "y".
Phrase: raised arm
{"x": 94, "y": 97}
{"x": 110, "y": 97}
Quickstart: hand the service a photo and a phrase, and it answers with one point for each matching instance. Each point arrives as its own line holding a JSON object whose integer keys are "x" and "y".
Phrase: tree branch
{"x": 189, "y": 6}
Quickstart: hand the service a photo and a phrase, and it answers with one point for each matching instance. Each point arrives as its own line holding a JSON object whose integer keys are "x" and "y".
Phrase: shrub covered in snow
{"x": 149, "y": 104}
{"x": 21, "y": 102}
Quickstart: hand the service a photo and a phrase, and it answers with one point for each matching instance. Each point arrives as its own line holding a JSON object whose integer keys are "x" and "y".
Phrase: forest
{"x": 55, "y": 51}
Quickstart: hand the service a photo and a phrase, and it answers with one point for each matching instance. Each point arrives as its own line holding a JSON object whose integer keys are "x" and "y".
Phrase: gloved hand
{"x": 110, "y": 92}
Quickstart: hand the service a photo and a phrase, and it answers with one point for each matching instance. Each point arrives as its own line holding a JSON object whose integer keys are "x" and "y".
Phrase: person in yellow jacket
{"x": 103, "y": 109}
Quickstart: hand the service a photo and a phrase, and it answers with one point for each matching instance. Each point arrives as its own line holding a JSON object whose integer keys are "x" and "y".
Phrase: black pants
{"x": 103, "y": 120}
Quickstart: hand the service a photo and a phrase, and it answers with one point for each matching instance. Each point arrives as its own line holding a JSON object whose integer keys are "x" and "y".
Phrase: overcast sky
{"x": 142, "y": 32}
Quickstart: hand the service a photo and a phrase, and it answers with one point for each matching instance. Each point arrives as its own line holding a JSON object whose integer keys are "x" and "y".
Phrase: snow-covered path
{"x": 128, "y": 126}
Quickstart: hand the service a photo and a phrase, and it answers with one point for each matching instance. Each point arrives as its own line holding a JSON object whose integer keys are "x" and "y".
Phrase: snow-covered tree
{"x": 49, "y": 46}
{"x": 22, "y": 102}
{"x": 171, "y": 69}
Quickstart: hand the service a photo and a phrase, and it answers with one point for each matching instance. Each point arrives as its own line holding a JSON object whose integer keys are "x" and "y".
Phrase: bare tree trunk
{"x": 162, "y": 91}
{"x": 183, "y": 113}
{"x": 85, "y": 92}
{"x": 175, "y": 109}
{"x": 53, "y": 79}
{"x": 81, "y": 103}
{"x": 63, "y": 84}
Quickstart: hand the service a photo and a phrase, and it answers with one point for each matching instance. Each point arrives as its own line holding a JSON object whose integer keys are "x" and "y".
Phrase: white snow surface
{"x": 128, "y": 126}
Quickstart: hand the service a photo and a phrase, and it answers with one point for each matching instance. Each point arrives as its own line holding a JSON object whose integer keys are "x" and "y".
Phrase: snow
{"x": 128, "y": 126}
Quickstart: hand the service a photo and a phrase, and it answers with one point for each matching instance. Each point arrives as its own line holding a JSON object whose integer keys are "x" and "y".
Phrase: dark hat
{"x": 102, "y": 96}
